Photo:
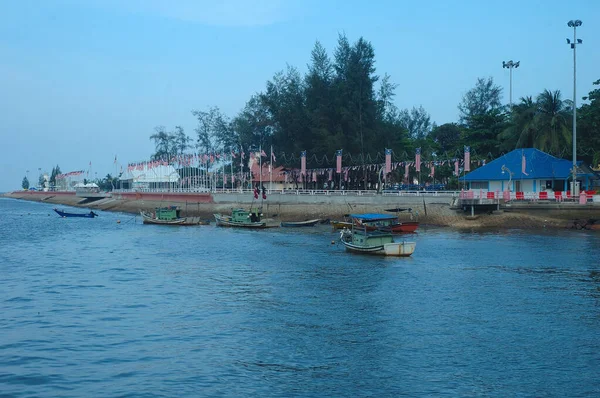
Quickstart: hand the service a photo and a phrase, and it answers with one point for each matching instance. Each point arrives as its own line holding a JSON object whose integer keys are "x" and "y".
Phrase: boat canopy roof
{"x": 373, "y": 216}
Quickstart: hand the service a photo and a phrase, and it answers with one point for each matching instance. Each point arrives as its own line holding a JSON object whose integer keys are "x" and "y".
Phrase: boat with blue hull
{"x": 65, "y": 214}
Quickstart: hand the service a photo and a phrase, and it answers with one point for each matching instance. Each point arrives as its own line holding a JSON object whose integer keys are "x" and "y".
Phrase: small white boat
{"x": 307, "y": 223}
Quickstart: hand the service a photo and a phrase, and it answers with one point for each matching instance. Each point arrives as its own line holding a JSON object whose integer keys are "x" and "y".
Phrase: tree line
{"x": 341, "y": 102}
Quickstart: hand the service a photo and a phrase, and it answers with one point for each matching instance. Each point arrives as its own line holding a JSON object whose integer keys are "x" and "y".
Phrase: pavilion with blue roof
{"x": 527, "y": 170}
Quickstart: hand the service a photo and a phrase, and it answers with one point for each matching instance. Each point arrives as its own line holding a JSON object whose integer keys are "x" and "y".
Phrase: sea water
{"x": 111, "y": 307}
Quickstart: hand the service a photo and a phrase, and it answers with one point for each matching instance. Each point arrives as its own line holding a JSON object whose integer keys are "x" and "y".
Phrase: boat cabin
{"x": 167, "y": 213}
{"x": 243, "y": 215}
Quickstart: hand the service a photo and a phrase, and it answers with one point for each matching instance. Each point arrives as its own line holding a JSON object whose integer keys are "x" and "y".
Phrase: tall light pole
{"x": 574, "y": 24}
{"x": 510, "y": 65}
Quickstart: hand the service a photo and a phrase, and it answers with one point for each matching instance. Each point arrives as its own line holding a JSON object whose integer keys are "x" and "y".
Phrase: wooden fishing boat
{"x": 65, "y": 214}
{"x": 241, "y": 218}
{"x": 359, "y": 240}
{"x": 340, "y": 224}
{"x": 170, "y": 215}
{"x": 384, "y": 222}
{"x": 308, "y": 223}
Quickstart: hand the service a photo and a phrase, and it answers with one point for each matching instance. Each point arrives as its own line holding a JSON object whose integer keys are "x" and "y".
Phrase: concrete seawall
{"x": 429, "y": 210}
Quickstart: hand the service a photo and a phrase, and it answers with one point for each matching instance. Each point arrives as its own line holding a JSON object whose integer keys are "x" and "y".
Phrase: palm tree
{"x": 522, "y": 131}
{"x": 553, "y": 134}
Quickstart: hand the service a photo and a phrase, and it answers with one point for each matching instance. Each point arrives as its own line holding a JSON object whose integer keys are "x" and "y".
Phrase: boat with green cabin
{"x": 170, "y": 215}
{"x": 241, "y": 218}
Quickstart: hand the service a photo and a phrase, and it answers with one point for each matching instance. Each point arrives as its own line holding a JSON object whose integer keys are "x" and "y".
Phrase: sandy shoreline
{"x": 435, "y": 214}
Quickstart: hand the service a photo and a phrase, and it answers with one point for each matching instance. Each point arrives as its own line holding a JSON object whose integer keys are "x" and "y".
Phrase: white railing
{"x": 303, "y": 192}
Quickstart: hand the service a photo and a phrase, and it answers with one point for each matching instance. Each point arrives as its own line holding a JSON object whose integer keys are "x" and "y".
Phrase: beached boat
{"x": 170, "y": 215}
{"x": 359, "y": 240}
{"x": 64, "y": 214}
{"x": 308, "y": 223}
{"x": 241, "y": 218}
{"x": 384, "y": 222}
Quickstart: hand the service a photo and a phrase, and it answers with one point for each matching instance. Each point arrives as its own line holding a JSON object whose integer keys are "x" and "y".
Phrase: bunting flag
{"x": 346, "y": 175}
{"x": 303, "y": 163}
{"x": 330, "y": 175}
{"x": 418, "y": 159}
{"x": 456, "y": 167}
{"x": 273, "y": 156}
{"x": 262, "y": 153}
{"x": 467, "y": 158}
{"x": 406, "y": 172}
{"x": 338, "y": 155}
{"x": 388, "y": 161}
{"x": 432, "y": 172}
{"x": 524, "y": 165}
{"x": 314, "y": 176}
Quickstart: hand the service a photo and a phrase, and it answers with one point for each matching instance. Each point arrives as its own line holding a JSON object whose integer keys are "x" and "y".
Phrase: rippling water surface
{"x": 92, "y": 307}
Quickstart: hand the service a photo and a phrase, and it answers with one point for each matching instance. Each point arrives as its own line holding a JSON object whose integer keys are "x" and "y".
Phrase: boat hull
{"x": 63, "y": 214}
{"x": 147, "y": 218}
{"x": 225, "y": 221}
{"x": 293, "y": 224}
{"x": 395, "y": 249}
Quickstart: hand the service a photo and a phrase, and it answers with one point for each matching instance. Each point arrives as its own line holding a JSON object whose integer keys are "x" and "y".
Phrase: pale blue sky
{"x": 84, "y": 81}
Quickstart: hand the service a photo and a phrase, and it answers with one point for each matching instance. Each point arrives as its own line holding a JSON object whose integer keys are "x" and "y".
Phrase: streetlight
{"x": 510, "y": 65}
{"x": 574, "y": 24}
{"x": 510, "y": 174}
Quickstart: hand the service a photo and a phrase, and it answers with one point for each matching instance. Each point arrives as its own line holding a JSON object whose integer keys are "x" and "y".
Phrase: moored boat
{"x": 65, "y": 214}
{"x": 307, "y": 223}
{"x": 170, "y": 215}
{"x": 359, "y": 240}
{"x": 241, "y": 218}
{"x": 384, "y": 222}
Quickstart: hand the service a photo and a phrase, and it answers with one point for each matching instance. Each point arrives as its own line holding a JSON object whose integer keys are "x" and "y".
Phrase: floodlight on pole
{"x": 510, "y": 65}
{"x": 574, "y": 24}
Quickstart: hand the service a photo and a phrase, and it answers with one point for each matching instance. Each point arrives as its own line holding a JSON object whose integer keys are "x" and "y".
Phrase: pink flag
{"x": 467, "y": 158}
{"x": 303, "y": 163}
{"x": 330, "y": 175}
{"x": 432, "y": 173}
{"x": 338, "y": 161}
{"x": 418, "y": 159}
{"x": 314, "y": 176}
{"x": 388, "y": 161}
{"x": 346, "y": 175}
{"x": 262, "y": 153}
{"x": 456, "y": 167}
{"x": 224, "y": 179}
{"x": 406, "y": 172}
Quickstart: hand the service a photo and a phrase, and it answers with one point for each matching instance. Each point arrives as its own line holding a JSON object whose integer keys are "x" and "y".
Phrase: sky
{"x": 83, "y": 82}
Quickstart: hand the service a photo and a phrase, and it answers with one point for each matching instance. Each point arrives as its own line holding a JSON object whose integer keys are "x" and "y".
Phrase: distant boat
{"x": 384, "y": 222}
{"x": 359, "y": 240}
{"x": 308, "y": 223}
{"x": 64, "y": 214}
{"x": 241, "y": 218}
{"x": 340, "y": 224}
{"x": 170, "y": 215}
